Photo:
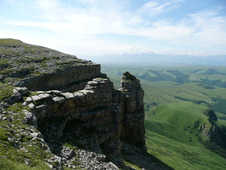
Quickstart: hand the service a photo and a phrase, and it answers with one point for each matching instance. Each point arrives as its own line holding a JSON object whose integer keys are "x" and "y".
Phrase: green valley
{"x": 181, "y": 105}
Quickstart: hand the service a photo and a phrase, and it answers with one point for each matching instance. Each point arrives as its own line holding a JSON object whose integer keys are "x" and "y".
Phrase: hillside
{"x": 61, "y": 112}
{"x": 182, "y": 129}
{"x": 23, "y": 64}
{"x": 176, "y": 109}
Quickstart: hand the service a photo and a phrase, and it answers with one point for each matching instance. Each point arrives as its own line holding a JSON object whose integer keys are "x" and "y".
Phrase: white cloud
{"x": 162, "y": 31}
{"x": 210, "y": 28}
{"x": 153, "y": 8}
{"x": 80, "y": 27}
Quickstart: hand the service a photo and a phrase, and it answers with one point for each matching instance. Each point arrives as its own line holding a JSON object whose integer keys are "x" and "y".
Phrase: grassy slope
{"x": 12, "y": 157}
{"x": 168, "y": 140}
{"x": 19, "y": 60}
{"x": 7, "y": 164}
{"x": 177, "y": 106}
{"x": 181, "y": 155}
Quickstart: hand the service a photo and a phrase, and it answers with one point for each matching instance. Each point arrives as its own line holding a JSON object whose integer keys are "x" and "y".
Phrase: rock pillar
{"x": 133, "y": 129}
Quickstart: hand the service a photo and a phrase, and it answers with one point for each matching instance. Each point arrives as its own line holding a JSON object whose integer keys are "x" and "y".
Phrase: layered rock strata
{"x": 71, "y": 102}
{"x": 132, "y": 110}
{"x": 41, "y": 68}
{"x": 70, "y": 79}
{"x": 95, "y": 118}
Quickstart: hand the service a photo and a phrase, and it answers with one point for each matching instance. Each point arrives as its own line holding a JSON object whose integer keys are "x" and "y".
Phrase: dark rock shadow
{"x": 141, "y": 158}
{"x": 85, "y": 139}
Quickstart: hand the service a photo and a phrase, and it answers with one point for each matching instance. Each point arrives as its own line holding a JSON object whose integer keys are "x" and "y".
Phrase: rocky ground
{"x": 29, "y": 145}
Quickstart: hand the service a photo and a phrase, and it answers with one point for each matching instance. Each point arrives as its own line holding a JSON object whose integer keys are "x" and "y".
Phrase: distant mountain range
{"x": 160, "y": 59}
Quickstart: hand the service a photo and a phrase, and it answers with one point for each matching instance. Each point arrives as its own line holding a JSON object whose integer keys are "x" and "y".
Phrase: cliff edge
{"x": 67, "y": 110}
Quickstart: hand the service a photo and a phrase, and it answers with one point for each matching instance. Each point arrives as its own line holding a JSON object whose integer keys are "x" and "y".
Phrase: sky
{"x": 103, "y": 27}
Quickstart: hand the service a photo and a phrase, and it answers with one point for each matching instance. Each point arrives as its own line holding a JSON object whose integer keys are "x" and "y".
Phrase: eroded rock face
{"x": 212, "y": 132}
{"x": 69, "y": 79}
{"x": 133, "y": 111}
{"x": 76, "y": 113}
{"x": 95, "y": 118}
{"x": 41, "y": 68}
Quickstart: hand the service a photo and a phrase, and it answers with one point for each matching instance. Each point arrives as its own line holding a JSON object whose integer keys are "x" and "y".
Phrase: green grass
{"x": 11, "y": 125}
{"x": 10, "y": 42}
{"x": 5, "y": 91}
{"x": 171, "y": 120}
{"x": 3, "y": 63}
{"x": 33, "y": 150}
{"x": 6, "y": 164}
{"x": 180, "y": 155}
{"x": 173, "y": 137}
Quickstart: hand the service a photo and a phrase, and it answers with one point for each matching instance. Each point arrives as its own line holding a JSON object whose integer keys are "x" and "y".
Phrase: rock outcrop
{"x": 97, "y": 116}
{"x": 212, "y": 132}
{"x": 68, "y": 100}
{"x": 41, "y": 68}
{"x": 70, "y": 79}
{"x": 132, "y": 112}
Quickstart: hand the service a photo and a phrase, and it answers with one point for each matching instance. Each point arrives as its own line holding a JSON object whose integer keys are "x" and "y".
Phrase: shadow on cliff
{"x": 131, "y": 156}
{"x": 141, "y": 158}
{"x": 76, "y": 137}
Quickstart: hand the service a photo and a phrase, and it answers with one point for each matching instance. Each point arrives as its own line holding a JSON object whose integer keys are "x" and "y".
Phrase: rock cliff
{"x": 132, "y": 110}
{"x": 212, "y": 132}
{"x": 73, "y": 110}
{"x": 91, "y": 113}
